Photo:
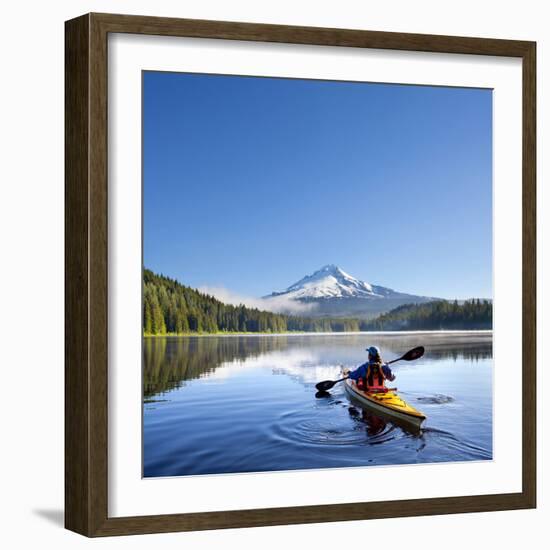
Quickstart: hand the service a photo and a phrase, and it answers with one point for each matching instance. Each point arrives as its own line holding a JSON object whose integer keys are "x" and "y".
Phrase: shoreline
{"x": 474, "y": 332}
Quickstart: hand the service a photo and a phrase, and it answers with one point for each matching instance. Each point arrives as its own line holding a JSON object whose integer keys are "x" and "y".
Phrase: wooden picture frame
{"x": 86, "y": 283}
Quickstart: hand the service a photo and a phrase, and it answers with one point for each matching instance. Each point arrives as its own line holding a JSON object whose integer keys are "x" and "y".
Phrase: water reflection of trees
{"x": 441, "y": 346}
{"x": 474, "y": 353}
{"x": 168, "y": 362}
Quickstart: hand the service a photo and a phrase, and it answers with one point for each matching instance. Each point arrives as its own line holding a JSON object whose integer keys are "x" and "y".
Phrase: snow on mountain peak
{"x": 329, "y": 282}
{"x": 331, "y": 292}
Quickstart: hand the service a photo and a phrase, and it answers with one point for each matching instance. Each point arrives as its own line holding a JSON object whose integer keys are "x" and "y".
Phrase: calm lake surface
{"x": 226, "y": 404}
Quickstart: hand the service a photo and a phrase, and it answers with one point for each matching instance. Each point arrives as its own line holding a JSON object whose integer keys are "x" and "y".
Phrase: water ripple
{"x": 436, "y": 399}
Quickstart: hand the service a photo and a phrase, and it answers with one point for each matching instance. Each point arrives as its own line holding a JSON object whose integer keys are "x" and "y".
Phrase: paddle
{"x": 411, "y": 355}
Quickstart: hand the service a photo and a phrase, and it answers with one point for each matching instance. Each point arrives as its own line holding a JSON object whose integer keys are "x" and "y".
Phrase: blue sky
{"x": 252, "y": 183}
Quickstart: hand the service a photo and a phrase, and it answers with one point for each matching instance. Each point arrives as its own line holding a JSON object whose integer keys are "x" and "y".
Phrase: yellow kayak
{"x": 388, "y": 404}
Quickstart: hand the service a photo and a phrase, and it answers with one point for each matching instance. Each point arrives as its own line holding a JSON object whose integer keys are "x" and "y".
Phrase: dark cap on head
{"x": 373, "y": 350}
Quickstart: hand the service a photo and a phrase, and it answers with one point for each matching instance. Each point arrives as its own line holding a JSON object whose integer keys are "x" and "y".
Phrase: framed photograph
{"x": 300, "y": 274}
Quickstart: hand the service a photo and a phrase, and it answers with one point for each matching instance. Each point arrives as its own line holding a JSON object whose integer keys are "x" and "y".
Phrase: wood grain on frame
{"x": 86, "y": 278}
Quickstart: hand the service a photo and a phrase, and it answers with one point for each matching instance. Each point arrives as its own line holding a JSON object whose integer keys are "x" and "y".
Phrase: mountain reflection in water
{"x": 169, "y": 361}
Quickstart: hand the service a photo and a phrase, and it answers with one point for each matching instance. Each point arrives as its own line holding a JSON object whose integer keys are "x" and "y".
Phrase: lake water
{"x": 226, "y": 404}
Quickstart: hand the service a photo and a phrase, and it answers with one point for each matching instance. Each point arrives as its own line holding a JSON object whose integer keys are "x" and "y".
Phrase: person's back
{"x": 375, "y": 377}
{"x": 371, "y": 376}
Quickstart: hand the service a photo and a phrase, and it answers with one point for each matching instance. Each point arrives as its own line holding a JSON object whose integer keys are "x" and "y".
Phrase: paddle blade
{"x": 325, "y": 385}
{"x": 413, "y": 354}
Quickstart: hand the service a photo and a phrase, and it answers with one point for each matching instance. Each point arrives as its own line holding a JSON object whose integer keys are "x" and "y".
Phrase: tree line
{"x": 172, "y": 308}
{"x": 438, "y": 315}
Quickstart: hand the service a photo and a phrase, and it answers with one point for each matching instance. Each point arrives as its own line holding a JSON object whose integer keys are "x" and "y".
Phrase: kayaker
{"x": 373, "y": 373}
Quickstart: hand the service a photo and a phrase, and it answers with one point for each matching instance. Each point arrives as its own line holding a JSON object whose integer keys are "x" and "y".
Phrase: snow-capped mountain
{"x": 332, "y": 282}
{"x": 335, "y": 292}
